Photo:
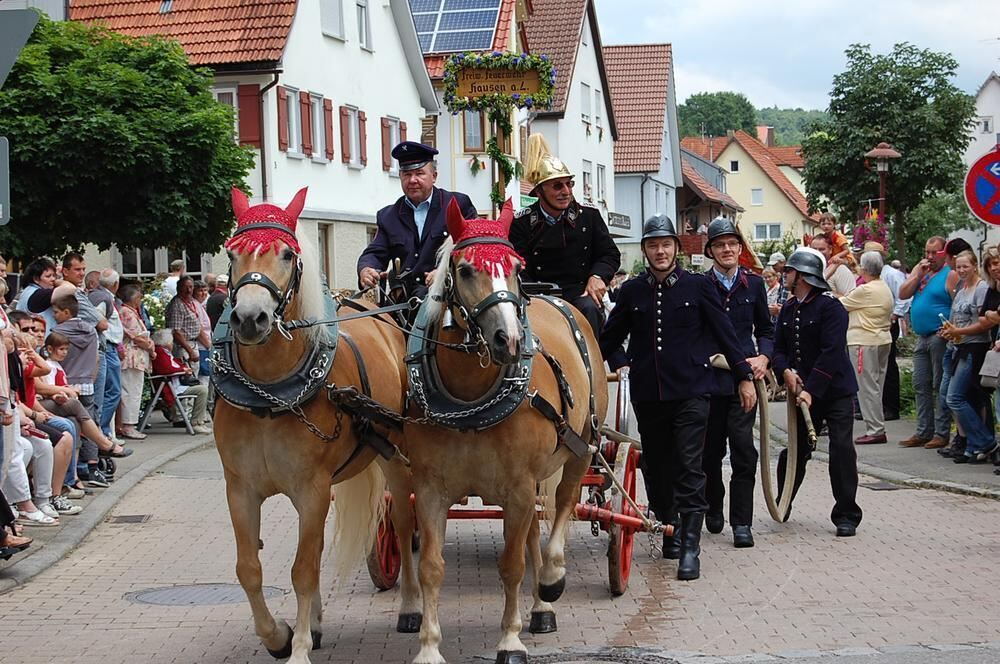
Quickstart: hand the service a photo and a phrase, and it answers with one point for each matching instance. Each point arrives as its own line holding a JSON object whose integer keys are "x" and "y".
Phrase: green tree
{"x": 938, "y": 214}
{"x": 790, "y": 124}
{"x": 115, "y": 140}
{"x": 714, "y": 113}
{"x": 905, "y": 98}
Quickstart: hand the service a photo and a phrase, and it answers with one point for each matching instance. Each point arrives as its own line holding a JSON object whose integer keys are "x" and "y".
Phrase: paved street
{"x": 916, "y": 579}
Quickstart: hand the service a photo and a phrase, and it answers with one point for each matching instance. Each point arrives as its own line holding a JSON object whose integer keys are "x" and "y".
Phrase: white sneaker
{"x": 201, "y": 428}
{"x": 48, "y": 510}
{"x": 62, "y": 505}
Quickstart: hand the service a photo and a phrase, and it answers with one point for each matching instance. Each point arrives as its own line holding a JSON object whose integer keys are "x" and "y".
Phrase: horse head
{"x": 483, "y": 281}
{"x": 262, "y": 283}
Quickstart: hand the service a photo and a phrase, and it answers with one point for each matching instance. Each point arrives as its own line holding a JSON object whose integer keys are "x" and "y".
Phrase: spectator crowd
{"x": 79, "y": 347}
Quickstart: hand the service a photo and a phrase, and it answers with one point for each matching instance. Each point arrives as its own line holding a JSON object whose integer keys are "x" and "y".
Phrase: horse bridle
{"x": 471, "y": 316}
{"x": 283, "y": 298}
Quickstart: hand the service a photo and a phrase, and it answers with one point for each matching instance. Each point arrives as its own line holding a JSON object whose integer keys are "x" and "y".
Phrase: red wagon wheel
{"x": 385, "y": 560}
{"x": 622, "y": 538}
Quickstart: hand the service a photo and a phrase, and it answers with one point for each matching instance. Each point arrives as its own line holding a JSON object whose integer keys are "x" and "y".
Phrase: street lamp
{"x": 882, "y": 153}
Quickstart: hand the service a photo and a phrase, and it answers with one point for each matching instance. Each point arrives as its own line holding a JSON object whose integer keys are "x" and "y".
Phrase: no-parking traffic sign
{"x": 982, "y": 188}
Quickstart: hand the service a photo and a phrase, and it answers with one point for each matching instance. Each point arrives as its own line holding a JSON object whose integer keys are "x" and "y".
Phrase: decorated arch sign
{"x": 496, "y": 83}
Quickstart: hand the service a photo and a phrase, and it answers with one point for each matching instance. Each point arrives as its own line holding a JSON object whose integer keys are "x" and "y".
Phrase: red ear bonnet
{"x": 279, "y": 225}
{"x": 496, "y": 259}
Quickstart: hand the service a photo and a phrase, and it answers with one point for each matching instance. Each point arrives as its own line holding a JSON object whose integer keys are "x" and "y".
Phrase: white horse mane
{"x": 435, "y": 294}
{"x": 310, "y": 298}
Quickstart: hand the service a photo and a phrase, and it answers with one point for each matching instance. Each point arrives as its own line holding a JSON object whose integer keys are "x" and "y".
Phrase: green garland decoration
{"x": 498, "y": 106}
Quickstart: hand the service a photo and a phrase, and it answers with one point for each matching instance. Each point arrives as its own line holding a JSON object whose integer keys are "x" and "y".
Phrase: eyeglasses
{"x": 732, "y": 244}
{"x": 559, "y": 185}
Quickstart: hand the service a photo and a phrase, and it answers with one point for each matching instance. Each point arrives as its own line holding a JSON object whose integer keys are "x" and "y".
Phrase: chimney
{"x": 765, "y": 135}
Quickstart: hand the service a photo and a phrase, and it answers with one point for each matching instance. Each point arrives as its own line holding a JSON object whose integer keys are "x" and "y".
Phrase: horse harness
{"x": 440, "y": 408}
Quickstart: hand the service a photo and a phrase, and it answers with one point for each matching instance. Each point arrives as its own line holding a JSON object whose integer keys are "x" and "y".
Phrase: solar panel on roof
{"x": 455, "y": 25}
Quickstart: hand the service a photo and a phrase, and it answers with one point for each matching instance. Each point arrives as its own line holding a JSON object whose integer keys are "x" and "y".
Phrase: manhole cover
{"x": 604, "y": 656}
{"x": 131, "y": 518}
{"x": 199, "y": 594}
{"x": 883, "y": 486}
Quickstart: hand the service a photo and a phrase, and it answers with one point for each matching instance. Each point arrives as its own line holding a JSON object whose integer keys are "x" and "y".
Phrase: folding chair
{"x": 184, "y": 403}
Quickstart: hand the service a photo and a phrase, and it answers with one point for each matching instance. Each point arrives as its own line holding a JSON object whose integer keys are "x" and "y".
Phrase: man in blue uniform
{"x": 810, "y": 357}
{"x": 413, "y": 228}
{"x": 745, "y": 300}
{"x": 564, "y": 242}
{"x": 675, "y": 322}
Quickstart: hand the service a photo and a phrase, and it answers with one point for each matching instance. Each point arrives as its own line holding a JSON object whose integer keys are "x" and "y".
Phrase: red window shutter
{"x": 283, "y": 119}
{"x": 363, "y": 130}
{"x": 345, "y": 134}
{"x": 305, "y": 118}
{"x": 249, "y": 114}
{"x": 328, "y": 126}
{"x": 386, "y": 148}
{"x": 402, "y": 132}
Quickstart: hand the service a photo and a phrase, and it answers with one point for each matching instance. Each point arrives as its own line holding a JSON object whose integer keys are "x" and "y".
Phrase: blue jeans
{"x": 933, "y": 416}
{"x": 960, "y": 399}
{"x": 112, "y": 388}
{"x": 99, "y": 384}
{"x": 67, "y": 425}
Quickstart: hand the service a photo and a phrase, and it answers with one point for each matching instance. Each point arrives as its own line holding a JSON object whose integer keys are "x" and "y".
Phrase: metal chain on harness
{"x": 430, "y": 416}
{"x": 223, "y": 367}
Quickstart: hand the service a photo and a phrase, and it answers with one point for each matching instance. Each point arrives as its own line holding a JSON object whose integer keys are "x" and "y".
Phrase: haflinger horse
{"x": 285, "y": 422}
{"x": 503, "y": 406}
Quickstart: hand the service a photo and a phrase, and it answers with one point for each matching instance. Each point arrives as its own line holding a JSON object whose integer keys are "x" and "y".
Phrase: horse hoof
{"x": 409, "y": 623}
{"x": 286, "y": 651}
{"x": 512, "y": 657}
{"x": 317, "y": 639}
{"x": 553, "y": 592}
{"x": 542, "y": 622}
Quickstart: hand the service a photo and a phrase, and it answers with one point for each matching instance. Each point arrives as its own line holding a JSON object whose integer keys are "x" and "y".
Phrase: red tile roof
{"x": 706, "y": 147}
{"x": 501, "y": 39}
{"x": 639, "y": 75}
{"x": 704, "y": 189}
{"x": 762, "y": 157}
{"x": 788, "y": 155}
{"x": 220, "y": 32}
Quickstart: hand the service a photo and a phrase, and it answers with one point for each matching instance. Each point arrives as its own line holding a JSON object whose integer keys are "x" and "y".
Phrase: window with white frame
{"x": 318, "y": 127}
{"x": 985, "y": 124}
{"x": 734, "y": 166}
{"x": 764, "y": 232}
{"x": 602, "y": 183}
{"x": 474, "y": 135}
{"x": 598, "y": 99}
{"x": 588, "y": 192}
{"x": 756, "y": 197}
{"x": 354, "y": 135}
{"x": 394, "y": 139}
{"x": 364, "y": 25}
{"x": 229, "y": 97}
{"x": 293, "y": 120}
{"x": 136, "y": 263}
{"x": 331, "y": 18}
{"x": 585, "y": 101}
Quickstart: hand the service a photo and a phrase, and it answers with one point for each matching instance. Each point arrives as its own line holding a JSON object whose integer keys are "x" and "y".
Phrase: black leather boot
{"x": 672, "y": 544}
{"x": 689, "y": 567}
{"x": 715, "y": 522}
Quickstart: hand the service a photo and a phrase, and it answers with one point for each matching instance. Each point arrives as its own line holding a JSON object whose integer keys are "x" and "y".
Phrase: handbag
{"x": 989, "y": 373}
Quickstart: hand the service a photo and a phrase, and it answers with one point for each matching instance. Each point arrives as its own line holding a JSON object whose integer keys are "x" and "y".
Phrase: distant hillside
{"x": 790, "y": 124}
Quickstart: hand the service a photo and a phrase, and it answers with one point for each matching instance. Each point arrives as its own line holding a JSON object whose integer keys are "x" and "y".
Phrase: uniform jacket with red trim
{"x": 396, "y": 235}
{"x": 673, "y": 326}
{"x": 811, "y": 337}
{"x": 746, "y": 306}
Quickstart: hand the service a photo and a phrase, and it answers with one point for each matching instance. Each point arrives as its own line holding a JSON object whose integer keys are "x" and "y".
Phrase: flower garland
{"x": 870, "y": 229}
{"x": 498, "y": 106}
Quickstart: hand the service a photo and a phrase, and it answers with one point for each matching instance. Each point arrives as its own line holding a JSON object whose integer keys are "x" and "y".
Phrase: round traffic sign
{"x": 982, "y": 188}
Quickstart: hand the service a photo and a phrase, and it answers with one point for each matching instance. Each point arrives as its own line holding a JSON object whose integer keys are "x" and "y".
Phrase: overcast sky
{"x": 784, "y": 53}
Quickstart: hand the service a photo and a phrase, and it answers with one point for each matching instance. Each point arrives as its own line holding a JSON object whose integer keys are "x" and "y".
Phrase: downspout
{"x": 642, "y": 200}
{"x": 263, "y": 136}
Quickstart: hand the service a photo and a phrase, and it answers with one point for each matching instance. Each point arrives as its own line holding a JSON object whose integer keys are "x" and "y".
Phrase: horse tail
{"x": 359, "y": 507}
{"x": 547, "y": 495}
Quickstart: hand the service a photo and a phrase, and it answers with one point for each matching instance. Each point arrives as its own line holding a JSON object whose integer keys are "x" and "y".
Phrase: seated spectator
{"x": 138, "y": 350}
{"x": 165, "y": 364}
